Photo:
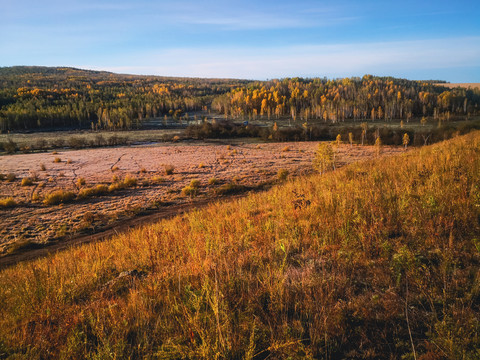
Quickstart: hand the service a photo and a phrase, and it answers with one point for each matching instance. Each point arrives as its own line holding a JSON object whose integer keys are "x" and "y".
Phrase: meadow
{"x": 378, "y": 259}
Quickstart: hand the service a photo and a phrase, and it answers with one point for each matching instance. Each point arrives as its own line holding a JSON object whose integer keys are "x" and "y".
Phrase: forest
{"x": 38, "y": 98}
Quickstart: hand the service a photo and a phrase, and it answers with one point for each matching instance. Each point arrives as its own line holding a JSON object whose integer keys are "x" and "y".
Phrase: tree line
{"x": 367, "y": 98}
{"x": 42, "y": 97}
{"x": 38, "y": 98}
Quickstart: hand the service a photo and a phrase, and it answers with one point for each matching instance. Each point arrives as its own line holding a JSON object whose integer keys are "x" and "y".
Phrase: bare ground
{"x": 31, "y": 224}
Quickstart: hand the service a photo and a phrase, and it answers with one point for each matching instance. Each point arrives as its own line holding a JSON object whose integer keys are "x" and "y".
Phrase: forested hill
{"x": 39, "y": 97}
{"x": 53, "y": 97}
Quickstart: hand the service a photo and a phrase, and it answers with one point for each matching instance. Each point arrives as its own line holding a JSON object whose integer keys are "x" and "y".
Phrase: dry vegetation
{"x": 377, "y": 260}
{"x": 115, "y": 184}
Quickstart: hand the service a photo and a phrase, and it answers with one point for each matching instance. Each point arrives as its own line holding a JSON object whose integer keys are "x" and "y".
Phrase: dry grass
{"x": 375, "y": 260}
{"x": 58, "y": 197}
{"x": 7, "y": 203}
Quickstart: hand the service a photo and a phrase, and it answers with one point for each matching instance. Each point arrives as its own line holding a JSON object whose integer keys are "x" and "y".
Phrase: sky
{"x": 257, "y": 39}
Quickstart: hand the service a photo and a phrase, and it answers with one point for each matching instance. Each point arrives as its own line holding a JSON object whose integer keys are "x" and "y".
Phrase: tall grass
{"x": 376, "y": 260}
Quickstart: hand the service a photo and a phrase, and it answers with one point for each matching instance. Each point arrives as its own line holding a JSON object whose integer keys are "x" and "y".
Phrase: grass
{"x": 376, "y": 260}
{"x": 27, "y": 181}
{"x": 58, "y": 197}
{"x": 7, "y": 203}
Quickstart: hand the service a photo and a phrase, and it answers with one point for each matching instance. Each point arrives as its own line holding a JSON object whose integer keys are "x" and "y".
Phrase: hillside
{"x": 379, "y": 259}
{"x": 34, "y": 98}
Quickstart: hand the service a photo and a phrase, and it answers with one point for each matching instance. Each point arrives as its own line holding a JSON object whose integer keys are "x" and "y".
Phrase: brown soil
{"x": 31, "y": 224}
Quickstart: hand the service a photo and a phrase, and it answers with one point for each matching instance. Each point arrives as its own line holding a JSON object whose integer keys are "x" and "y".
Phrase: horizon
{"x": 248, "y": 40}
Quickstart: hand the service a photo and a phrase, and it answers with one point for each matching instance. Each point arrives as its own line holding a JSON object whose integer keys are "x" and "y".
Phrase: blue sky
{"x": 247, "y": 39}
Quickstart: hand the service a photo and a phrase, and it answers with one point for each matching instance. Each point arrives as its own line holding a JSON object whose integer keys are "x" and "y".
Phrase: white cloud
{"x": 387, "y": 58}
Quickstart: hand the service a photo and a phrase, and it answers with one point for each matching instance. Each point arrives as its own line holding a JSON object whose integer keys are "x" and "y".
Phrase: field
{"x": 108, "y": 186}
{"x": 461, "y": 85}
{"x": 379, "y": 259}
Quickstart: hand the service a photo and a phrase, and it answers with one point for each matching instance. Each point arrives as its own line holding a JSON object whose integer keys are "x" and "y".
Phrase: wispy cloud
{"x": 383, "y": 58}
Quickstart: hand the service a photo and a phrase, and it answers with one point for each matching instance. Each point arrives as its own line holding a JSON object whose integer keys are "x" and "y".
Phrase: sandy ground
{"x": 248, "y": 164}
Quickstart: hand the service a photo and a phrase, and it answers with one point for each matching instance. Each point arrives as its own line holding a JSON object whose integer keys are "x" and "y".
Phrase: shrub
{"x": 282, "y": 174}
{"x": 129, "y": 181}
{"x": 58, "y": 197}
{"x": 42, "y": 167}
{"x": 195, "y": 183}
{"x": 189, "y": 191}
{"x": 10, "y": 147}
{"x": 228, "y": 189}
{"x": 57, "y": 160}
{"x": 201, "y": 165}
{"x": 97, "y": 190}
{"x": 169, "y": 169}
{"x": 81, "y": 181}
{"x": 324, "y": 158}
{"x": 286, "y": 148}
{"x": 7, "y": 202}
{"x": 26, "y": 181}
{"x": 11, "y": 177}
{"x": 213, "y": 181}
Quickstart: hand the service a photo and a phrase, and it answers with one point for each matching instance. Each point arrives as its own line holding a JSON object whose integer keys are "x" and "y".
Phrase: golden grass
{"x": 376, "y": 260}
{"x": 7, "y": 203}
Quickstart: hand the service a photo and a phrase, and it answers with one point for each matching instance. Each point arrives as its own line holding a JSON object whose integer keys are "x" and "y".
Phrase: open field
{"x": 462, "y": 85}
{"x": 109, "y": 185}
{"x": 377, "y": 260}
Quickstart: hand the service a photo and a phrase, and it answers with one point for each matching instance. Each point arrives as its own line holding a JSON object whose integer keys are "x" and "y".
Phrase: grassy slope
{"x": 376, "y": 260}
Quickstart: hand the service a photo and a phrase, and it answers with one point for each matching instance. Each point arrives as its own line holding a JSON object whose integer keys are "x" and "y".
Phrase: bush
{"x": 10, "y": 147}
{"x": 7, "y": 203}
{"x": 282, "y": 174}
{"x": 81, "y": 181}
{"x": 129, "y": 181}
{"x": 213, "y": 181}
{"x": 229, "y": 189}
{"x": 195, "y": 183}
{"x": 11, "y": 177}
{"x": 97, "y": 190}
{"x": 58, "y": 197}
{"x": 189, "y": 191}
{"x": 169, "y": 169}
{"x": 57, "y": 160}
{"x": 26, "y": 181}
